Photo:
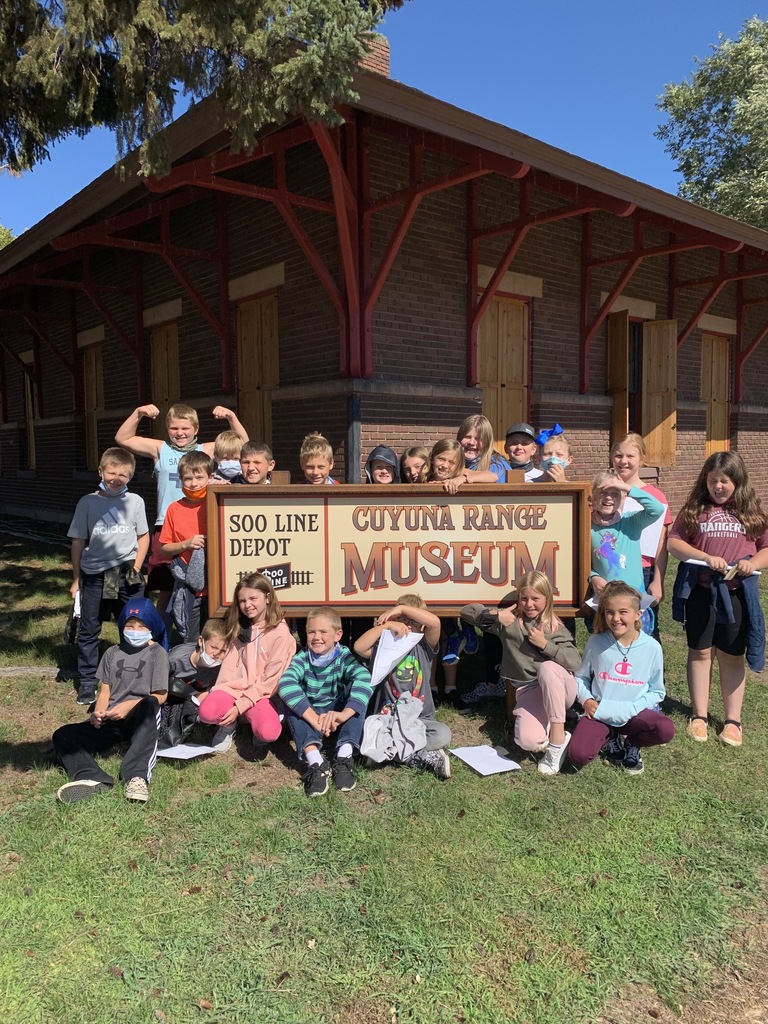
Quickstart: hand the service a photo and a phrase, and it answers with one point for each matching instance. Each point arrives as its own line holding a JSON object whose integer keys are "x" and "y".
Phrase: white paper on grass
{"x": 390, "y": 652}
{"x": 185, "y": 751}
{"x": 486, "y": 760}
{"x": 646, "y": 600}
{"x": 651, "y": 535}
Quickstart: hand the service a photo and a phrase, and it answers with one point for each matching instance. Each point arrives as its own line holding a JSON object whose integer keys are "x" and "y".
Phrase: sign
{"x": 359, "y": 548}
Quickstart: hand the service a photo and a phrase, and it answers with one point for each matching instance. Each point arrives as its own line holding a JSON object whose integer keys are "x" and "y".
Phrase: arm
{"x": 141, "y": 551}
{"x": 652, "y": 508}
{"x": 584, "y": 675}
{"x": 558, "y": 647}
{"x": 486, "y": 618}
{"x": 478, "y": 476}
{"x": 423, "y": 616}
{"x": 682, "y": 550}
{"x": 656, "y": 586}
{"x": 100, "y": 708}
{"x": 76, "y": 551}
{"x": 222, "y": 413}
{"x": 127, "y": 437}
{"x": 174, "y": 548}
{"x": 364, "y": 645}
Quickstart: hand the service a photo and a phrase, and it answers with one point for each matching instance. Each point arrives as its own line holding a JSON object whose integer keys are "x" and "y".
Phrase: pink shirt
{"x": 721, "y": 533}
{"x": 251, "y": 671}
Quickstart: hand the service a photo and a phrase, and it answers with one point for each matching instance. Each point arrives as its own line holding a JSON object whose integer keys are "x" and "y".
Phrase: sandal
{"x": 697, "y": 728}
{"x": 731, "y": 733}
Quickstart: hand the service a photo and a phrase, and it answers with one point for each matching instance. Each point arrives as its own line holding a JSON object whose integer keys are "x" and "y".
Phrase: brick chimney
{"x": 378, "y": 57}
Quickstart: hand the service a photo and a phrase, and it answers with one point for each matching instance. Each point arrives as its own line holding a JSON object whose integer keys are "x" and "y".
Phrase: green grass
{"x": 511, "y": 899}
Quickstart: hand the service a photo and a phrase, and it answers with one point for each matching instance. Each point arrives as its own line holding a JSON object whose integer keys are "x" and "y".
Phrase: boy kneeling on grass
{"x": 326, "y": 691}
{"x": 134, "y": 685}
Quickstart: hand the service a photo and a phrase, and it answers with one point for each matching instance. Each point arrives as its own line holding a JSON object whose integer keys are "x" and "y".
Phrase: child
{"x": 414, "y": 465}
{"x": 520, "y": 446}
{"x": 226, "y": 454}
{"x": 256, "y": 464}
{"x": 181, "y": 424}
{"x": 194, "y": 670}
{"x": 483, "y": 463}
{"x": 723, "y": 524}
{"x": 262, "y": 647}
{"x": 110, "y": 540}
{"x": 555, "y": 454}
{"x": 134, "y": 684}
{"x": 182, "y": 538}
{"x": 620, "y": 696}
{"x": 538, "y": 661}
{"x": 627, "y": 456}
{"x": 446, "y": 465}
{"x": 412, "y": 676}
{"x": 381, "y": 466}
{"x": 316, "y": 458}
{"x": 327, "y": 691}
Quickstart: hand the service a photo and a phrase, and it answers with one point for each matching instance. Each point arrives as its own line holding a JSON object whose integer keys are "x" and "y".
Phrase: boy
{"x": 382, "y": 466}
{"x": 520, "y": 446}
{"x": 326, "y": 690}
{"x": 411, "y": 675}
{"x": 316, "y": 458}
{"x": 134, "y": 685}
{"x": 226, "y": 455}
{"x": 181, "y": 424}
{"x": 194, "y": 669}
{"x": 182, "y": 538}
{"x": 256, "y": 464}
{"x": 110, "y": 540}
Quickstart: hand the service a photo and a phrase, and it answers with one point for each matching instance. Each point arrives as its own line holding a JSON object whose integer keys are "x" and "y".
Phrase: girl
{"x": 262, "y": 646}
{"x": 628, "y": 454}
{"x": 556, "y": 456}
{"x": 446, "y": 466}
{"x": 620, "y": 685}
{"x": 414, "y": 465}
{"x": 723, "y": 524}
{"x": 483, "y": 463}
{"x": 538, "y": 661}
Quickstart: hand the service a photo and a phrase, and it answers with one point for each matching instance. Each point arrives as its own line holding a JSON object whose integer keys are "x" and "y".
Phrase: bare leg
{"x": 733, "y": 683}
{"x": 699, "y": 679}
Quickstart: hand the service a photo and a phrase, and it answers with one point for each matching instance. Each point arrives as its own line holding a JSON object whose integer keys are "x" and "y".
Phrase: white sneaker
{"x": 223, "y": 738}
{"x": 553, "y": 758}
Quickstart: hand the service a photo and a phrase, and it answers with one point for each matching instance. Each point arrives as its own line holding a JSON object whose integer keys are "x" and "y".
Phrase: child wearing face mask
{"x": 110, "y": 540}
{"x": 194, "y": 671}
{"x": 134, "y": 686}
{"x": 555, "y": 454}
{"x": 226, "y": 454}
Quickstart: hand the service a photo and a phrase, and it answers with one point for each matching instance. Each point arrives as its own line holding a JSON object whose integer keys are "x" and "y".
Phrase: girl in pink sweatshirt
{"x": 261, "y": 649}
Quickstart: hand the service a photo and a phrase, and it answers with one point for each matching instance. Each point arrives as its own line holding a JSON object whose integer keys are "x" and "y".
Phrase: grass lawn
{"x": 232, "y": 898}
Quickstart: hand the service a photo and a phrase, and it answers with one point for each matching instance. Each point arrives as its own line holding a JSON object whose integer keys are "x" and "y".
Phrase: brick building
{"x": 379, "y": 282}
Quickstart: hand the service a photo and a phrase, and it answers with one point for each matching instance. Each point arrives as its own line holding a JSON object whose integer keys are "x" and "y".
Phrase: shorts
{"x": 160, "y": 576}
{"x": 703, "y": 631}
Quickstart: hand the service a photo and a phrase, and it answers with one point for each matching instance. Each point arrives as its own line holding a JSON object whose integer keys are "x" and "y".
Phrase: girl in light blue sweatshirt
{"x": 620, "y": 684}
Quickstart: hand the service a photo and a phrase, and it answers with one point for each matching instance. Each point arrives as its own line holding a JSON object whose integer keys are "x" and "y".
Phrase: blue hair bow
{"x": 544, "y": 435}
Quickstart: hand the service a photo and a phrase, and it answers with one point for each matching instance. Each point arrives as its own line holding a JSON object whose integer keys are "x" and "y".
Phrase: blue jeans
{"x": 305, "y": 735}
{"x": 93, "y": 611}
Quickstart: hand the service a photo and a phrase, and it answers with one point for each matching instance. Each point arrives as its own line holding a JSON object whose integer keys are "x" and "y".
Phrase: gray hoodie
{"x": 382, "y": 453}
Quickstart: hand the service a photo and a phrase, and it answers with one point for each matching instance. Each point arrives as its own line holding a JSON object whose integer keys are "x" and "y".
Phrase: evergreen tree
{"x": 68, "y": 65}
{"x": 6, "y": 236}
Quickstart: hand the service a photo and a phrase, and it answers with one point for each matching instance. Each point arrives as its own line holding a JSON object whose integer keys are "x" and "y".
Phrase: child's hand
{"x": 598, "y": 585}
{"x": 716, "y": 563}
{"x": 537, "y": 638}
{"x": 744, "y": 567}
{"x": 231, "y": 716}
{"x": 195, "y": 543}
{"x": 329, "y": 721}
{"x": 656, "y": 590}
{"x": 506, "y": 616}
{"x": 74, "y": 588}
{"x": 452, "y": 485}
{"x": 398, "y": 629}
{"x": 220, "y": 412}
{"x": 117, "y": 713}
{"x": 555, "y": 474}
{"x": 150, "y": 411}
{"x": 590, "y": 707}
{"x": 389, "y": 614}
{"x": 97, "y": 717}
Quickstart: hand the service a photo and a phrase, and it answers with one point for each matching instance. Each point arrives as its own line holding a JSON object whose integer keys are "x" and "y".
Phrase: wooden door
{"x": 164, "y": 347}
{"x": 93, "y": 402}
{"x": 715, "y": 390}
{"x": 659, "y": 397}
{"x": 258, "y": 365}
{"x": 502, "y": 363}
{"x": 617, "y": 372}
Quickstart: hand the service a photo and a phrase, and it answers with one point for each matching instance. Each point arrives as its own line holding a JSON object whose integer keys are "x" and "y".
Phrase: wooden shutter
{"x": 659, "y": 396}
{"x": 258, "y": 365}
{"x": 502, "y": 363}
{"x": 93, "y": 401}
{"x": 164, "y": 346}
{"x": 617, "y": 372}
{"x": 715, "y": 388}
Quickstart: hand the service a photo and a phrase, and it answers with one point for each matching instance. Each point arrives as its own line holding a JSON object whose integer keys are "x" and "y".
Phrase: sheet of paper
{"x": 390, "y": 651}
{"x": 185, "y": 751}
{"x": 76, "y": 611}
{"x": 700, "y": 561}
{"x": 485, "y": 759}
{"x": 646, "y": 600}
{"x": 649, "y": 538}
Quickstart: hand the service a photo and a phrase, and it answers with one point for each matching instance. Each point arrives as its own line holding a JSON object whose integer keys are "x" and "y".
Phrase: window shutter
{"x": 659, "y": 399}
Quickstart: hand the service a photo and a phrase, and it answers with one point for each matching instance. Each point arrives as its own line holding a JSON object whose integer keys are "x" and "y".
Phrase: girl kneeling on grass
{"x": 620, "y": 685}
{"x": 261, "y": 649}
{"x": 539, "y": 658}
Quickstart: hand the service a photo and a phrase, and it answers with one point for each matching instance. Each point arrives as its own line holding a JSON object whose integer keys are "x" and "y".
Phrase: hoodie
{"x": 382, "y": 453}
{"x": 141, "y": 608}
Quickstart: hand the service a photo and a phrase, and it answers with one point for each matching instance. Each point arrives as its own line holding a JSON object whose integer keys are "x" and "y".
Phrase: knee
{"x": 665, "y": 730}
{"x": 267, "y": 732}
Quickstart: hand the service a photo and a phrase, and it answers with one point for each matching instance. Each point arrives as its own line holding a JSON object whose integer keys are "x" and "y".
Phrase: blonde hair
{"x": 440, "y": 448}
{"x": 227, "y": 445}
{"x": 212, "y": 628}
{"x": 314, "y": 445}
{"x": 482, "y": 427}
{"x": 325, "y": 613}
{"x": 635, "y": 441}
{"x": 235, "y": 620}
{"x": 413, "y": 601}
{"x": 418, "y": 451}
{"x": 538, "y": 582}
{"x": 117, "y": 457}
{"x": 616, "y": 588}
{"x": 179, "y": 411}
{"x": 558, "y": 439}
{"x": 599, "y": 480}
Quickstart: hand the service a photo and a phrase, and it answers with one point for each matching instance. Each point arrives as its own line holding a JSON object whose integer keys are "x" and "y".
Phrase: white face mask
{"x": 137, "y": 637}
{"x": 228, "y": 468}
{"x": 207, "y": 660}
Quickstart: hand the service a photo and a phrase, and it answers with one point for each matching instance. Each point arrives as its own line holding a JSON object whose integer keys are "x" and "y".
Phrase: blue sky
{"x": 581, "y": 76}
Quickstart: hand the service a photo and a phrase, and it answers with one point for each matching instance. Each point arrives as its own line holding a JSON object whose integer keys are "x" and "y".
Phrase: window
{"x": 715, "y": 390}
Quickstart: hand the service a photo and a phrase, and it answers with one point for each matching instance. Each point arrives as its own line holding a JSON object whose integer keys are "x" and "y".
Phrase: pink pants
{"x": 538, "y": 704}
{"x": 262, "y": 717}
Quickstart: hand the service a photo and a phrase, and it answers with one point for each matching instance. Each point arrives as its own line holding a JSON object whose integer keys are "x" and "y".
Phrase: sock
{"x": 557, "y": 746}
{"x": 345, "y": 750}
{"x": 313, "y": 756}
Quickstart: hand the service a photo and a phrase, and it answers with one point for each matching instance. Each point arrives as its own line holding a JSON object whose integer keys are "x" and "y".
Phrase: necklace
{"x": 625, "y": 654}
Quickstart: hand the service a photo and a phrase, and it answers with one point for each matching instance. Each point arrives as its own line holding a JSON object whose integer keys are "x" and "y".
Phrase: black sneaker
{"x": 80, "y": 789}
{"x": 633, "y": 762}
{"x": 343, "y": 774}
{"x": 613, "y": 751}
{"x": 86, "y": 694}
{"x": 435, "y": 761}
{"x": 315, "y": 779}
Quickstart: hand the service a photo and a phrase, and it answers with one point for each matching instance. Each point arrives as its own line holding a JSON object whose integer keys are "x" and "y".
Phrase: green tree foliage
{"x": 6, "y": 236}
{"x": 717, "y": 127}
{"x": 69, "y": 65}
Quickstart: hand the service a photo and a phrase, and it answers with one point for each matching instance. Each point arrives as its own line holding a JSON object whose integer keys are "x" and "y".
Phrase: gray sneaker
{"x": 80, "y": 789}
{"x": 223, "y": 738}
{"x": 435, "y": 761}
{"x": 137, "y": 790}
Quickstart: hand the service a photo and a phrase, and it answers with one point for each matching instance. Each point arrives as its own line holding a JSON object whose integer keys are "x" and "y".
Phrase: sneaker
{"x": 553, "y": 758}
{"x": 453, "y": 648}
{"x": 435, "y": 761}
{"x": 730, "y": 735}
{"x": 343, "y": 774}
{"x": 315, "y": 779}
{"x": 81, "y": 789}
{"x": 223, "y": 738}
{"x": 613, "y": 751}
{"x": 86, "y": 694}
{"x": 137, "y": 790}
{"x": 633, "y": 762}
{"x": 471, "y": 639}
{"x": 484, "y": 690}
{"x": 452, "y": 699}
{"x": 697, "y": 729}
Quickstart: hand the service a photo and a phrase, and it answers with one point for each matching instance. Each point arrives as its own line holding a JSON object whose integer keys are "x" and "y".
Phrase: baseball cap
{"x": 522, "y": 428}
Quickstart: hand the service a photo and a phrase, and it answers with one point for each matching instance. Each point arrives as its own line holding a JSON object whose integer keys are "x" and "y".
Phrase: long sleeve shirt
{"x": 616, "y": 551}
{"x": 303, "y": 686}
{"x": 622, "y": 685}
{"x": 252, "y": 668}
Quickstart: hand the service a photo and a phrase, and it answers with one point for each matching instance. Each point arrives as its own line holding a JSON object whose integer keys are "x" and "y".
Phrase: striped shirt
{"x": 302, "y": 686}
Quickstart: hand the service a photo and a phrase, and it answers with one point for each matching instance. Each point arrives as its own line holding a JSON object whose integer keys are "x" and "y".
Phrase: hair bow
{"x": 544, "y": 435}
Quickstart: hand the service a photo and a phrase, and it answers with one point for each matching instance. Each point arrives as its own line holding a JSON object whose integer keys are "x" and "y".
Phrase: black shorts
{"x": 703, "y": 631}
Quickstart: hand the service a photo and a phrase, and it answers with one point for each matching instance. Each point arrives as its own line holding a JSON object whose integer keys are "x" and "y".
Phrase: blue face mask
{"x": 112, "y": 494}
{"x": 552, "y": 460}
{"x": 321, "y": 660}
{"x": 136, "y": 637}
{"x": 228, "y": 468}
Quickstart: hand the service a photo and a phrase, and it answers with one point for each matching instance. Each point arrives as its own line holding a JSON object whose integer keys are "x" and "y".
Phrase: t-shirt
{"x": 111, "y": 527}
{"x": 180, "y": 665}
{"x": 630, "y": 505}
{"x": 721, "y": 533}
{"x": 130, "y": 672}
{"x": 411, "y": 675}
{"x": 184, "y": 519}
{"x": 499, "y": 466}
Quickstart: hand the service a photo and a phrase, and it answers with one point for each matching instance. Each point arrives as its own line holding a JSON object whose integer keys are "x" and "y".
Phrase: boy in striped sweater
{"x": 326, "y": 691}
